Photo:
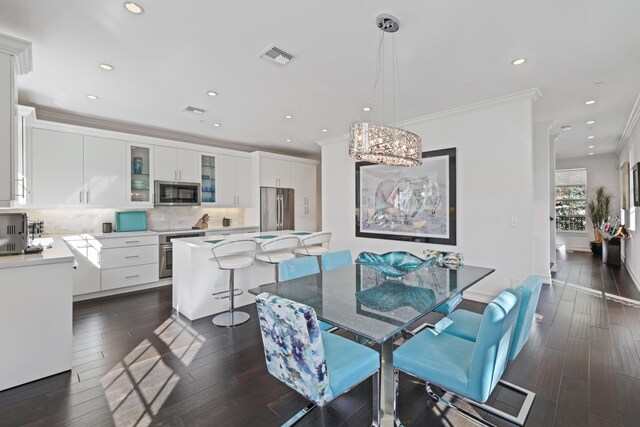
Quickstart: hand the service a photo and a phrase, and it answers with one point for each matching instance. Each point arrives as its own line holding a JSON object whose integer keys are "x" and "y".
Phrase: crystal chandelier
{"x": 386, "y": 145}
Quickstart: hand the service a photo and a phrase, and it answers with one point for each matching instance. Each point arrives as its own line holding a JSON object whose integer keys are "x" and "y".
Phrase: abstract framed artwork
{"x": 416, "y": 204}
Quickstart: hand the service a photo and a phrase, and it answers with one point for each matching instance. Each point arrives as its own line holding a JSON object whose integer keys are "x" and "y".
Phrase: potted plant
{"x": 598, "y": 209}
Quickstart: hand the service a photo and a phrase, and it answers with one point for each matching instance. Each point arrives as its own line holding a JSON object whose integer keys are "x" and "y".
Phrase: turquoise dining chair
{"x": 468, "y": 369}
{"x": 301, "y": 267}
{"x": 334, "y": 260}
{"x": 318, "y": 365}
{"x": 466, "y": 325}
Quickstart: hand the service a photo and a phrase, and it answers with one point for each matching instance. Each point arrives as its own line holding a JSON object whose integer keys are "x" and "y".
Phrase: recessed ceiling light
{"x": 591, "y": 122}
{"x": 366, "y": 109}
{"x": 591, "y": 146}
{"x": 217, "y": 125}
{"x": 92, "y": 97}
{"x": 288, "y": 116}
{"x": 288, "y": 140}
{"x": 106, "y": 67}
{"x": 133, "y": 7}
{"x": 212, "y": 93}
{"x": 590, "y": 102}
{"x": 325, "y": 130}
{"x": 590, "y": 137}
{"x": 519, "y": 61}
{"x": 591, "y": 154}
{"x": 565, "y": 127}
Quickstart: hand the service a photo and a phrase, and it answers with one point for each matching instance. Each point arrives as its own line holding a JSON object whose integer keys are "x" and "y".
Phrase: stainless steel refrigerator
{"x": 276, "y": 209}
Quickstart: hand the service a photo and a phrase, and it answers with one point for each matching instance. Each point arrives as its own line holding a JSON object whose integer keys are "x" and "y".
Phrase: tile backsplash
{"x": 73, "y": 221}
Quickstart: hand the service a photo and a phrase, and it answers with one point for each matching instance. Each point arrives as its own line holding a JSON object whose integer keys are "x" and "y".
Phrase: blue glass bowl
{"x": 393, "y": 294}
{"x": 394, "y": 264}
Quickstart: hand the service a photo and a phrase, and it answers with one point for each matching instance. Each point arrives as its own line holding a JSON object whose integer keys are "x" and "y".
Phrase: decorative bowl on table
{"x": 400, "y": 263}
{"x": 393, "y": 294}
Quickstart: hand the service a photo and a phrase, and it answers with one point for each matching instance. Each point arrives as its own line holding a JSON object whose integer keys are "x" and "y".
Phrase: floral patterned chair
{"x": 319, "y": 365}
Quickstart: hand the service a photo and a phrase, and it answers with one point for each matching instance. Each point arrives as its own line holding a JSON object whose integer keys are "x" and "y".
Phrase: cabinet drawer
{"x": 123, "y": 242}
{"x": 127, "y": 257}
{"x": 129, "y": 276}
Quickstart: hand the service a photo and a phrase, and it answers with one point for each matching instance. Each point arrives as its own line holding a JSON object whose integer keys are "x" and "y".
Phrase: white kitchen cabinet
{"x": 105, "y": 172}
{"x": 276, "y": 173}
{"x": 56, "y": 168}
{"x": 306, "y": 218}
{"x": 234, "y": 181}
{"x": 86, "y": 269}
{"x": 140, "y": 175}
{"x": 72, "y": 170}
{"x": 173, "y": 164}
{"x": 304, "y": 184}
{"x": 15, "y": 58}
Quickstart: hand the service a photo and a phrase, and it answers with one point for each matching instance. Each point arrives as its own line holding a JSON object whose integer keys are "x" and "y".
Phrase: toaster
{"x": 13, "y": 233}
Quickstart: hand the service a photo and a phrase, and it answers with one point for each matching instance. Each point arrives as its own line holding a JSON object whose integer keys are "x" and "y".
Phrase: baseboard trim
{"x": 633, "y": 276}
{"x": 478, "y": 296}
{"x": 128, "y": 289}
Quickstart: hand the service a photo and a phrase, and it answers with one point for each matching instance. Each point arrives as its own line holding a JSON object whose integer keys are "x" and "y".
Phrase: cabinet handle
{"x": 21, "y": 186}
{"x": 238, "y": 200}
{"x": 133, "y": 241}
{"x": 81, "y": 196}
{"x": 180, "y": 174}
{"x": 175, "y": 175}
{"x": 131, "y": 277}
{"x": 133, "y": 256}
{"x": 88, "y": 197}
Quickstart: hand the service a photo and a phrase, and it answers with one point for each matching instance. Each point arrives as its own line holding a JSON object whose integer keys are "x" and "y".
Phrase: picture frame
{"x": 636, "y": 185}
{"x": 414, "y": 204}
{"x": 624, "y": 186}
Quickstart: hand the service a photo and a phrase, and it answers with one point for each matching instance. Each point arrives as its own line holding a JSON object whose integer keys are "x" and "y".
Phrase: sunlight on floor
{"x": 138, "y": 386}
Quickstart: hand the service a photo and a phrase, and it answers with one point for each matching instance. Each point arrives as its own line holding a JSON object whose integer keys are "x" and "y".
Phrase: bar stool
{"x": 278, "y": 249}
{"x": 232, "y": 255}
{"x": 313, "y": 244}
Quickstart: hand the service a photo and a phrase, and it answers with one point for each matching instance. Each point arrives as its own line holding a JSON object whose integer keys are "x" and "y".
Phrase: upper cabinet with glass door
{"x": 140, "y": 182}
{"x": 208, "y": 186}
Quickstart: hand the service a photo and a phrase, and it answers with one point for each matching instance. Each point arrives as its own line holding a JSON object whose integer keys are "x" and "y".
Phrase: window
{"x": 571, "y": 200}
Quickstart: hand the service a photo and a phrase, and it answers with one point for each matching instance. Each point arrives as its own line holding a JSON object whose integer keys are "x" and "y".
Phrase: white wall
{"x": 631, "y": 153}
{"x": 601, "y": 170}
{"x": 495, "y": 183}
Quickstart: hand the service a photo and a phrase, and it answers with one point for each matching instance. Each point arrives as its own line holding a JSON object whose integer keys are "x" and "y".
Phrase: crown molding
{"x": 631, "y": 124}
{"x": 20, "y": 50}
{"x": 60, "y": 116}
{"x": 532, "y": 94}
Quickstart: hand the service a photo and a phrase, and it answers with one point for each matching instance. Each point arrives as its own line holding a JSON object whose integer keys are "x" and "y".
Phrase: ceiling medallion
{"x": 382, "y": 144}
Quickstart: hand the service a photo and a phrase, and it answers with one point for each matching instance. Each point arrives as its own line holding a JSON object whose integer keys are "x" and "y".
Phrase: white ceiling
{"x": 451, "y": 53}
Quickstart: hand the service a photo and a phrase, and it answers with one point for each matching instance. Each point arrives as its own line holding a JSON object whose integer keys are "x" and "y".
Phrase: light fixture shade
{"x": 385, "y": 145}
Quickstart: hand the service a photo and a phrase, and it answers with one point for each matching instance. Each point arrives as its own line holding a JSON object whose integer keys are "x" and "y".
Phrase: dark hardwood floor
{"x": 136, "y": 364}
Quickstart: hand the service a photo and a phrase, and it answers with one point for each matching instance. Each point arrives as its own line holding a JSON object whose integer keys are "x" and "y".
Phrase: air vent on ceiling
{"x": 275, "y": 55}
{"x": 194, "y": 110}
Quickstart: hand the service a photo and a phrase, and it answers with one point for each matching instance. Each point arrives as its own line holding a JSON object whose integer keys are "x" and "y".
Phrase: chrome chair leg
{"x": 396, "y": 392}
{"x": 376, "y": 399}
{"x": 450, "y": 405}
{"x": 524, "y": 410}
{"x": 299, "y": 415}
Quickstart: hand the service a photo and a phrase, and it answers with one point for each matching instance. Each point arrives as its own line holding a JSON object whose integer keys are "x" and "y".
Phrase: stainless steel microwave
{"x": 170, "y": 193}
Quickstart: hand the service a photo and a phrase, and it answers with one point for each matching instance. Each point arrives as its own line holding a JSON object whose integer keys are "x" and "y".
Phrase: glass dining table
{"x": 361, "y": 300}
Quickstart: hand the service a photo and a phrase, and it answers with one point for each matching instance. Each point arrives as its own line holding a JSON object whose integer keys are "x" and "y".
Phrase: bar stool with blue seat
{"x": 301, "y": 267}
{"x": 277, "y": 250}
{"x": 319, "y": 365}
{"x": 468, "y": 369}
{"x": 232, "y": 255}
{"x": 335, "y": 260}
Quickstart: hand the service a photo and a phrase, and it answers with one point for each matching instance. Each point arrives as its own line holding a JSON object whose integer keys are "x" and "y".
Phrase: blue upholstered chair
{"x": 301, "y": 267}
{"x": 319, "y": 365}
{"x": 334, "y": 260}
{"x": 468, "y": 369}
{"x": 465, "y": 324}
{"x": 448, "y": 307}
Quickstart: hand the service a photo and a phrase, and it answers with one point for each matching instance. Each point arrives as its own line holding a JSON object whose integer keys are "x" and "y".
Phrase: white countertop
{"x": 206, "y": 230}
{"x": 203, "y": 241}
{"x": 59, "y": 253}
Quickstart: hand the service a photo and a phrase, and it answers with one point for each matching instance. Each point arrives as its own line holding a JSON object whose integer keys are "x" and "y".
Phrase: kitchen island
{"x": 195, "y": 277}
{"x": 35, "y": 315}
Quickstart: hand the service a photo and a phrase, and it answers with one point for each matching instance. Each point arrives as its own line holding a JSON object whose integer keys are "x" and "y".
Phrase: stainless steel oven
{"x": 166, "y": 251}
{"x": 177, "y": 193}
